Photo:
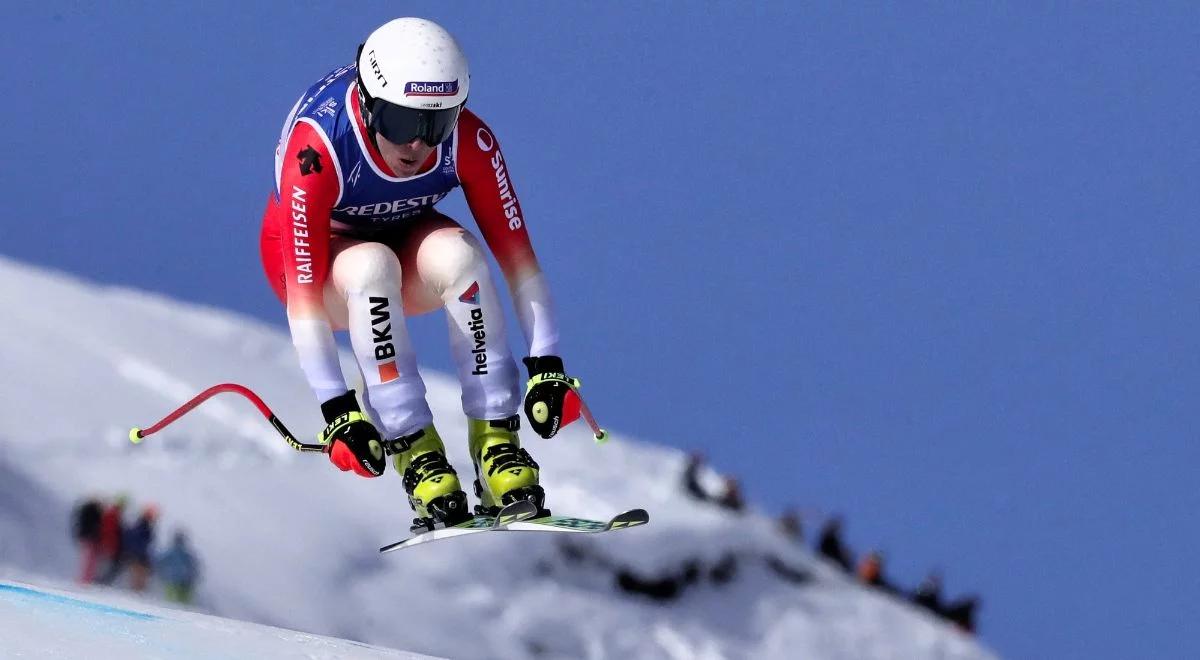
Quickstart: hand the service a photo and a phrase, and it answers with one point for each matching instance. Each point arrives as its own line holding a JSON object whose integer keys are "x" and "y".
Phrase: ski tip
{"x": 135, "y": 435}
{"x": 631, "y": 518}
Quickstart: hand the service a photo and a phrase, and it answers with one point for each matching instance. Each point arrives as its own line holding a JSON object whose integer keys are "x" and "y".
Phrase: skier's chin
{"x": 405, "y": 167}
{"x": 405, "y": 160}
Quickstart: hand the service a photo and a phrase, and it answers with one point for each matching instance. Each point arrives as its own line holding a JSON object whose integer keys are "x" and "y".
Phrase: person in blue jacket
{"x": 178, "y": 569}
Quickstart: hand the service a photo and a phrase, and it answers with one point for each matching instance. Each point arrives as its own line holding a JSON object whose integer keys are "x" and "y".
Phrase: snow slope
{"x": 38, "y": 622}
{"x": 289, "y": 541}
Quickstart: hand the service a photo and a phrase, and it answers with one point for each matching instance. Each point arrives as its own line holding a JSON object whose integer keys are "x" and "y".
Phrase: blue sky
{"x": 929, "y": 266}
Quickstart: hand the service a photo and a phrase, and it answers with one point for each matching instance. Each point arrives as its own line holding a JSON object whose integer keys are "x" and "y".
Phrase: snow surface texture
{"x": 36, "y": 622}
{"x": 287, "y": 540}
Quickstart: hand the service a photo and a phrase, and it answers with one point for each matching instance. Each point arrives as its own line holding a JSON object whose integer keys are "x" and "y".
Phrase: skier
{"x": 351, "y": 240}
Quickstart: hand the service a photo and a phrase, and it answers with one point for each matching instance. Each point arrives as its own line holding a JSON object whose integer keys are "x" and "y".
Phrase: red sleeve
{"x": 309, "y": 186}
{"x": 492, "y": 199}
{"x": 489, "y": 191}
{"x": 308, "y": 189}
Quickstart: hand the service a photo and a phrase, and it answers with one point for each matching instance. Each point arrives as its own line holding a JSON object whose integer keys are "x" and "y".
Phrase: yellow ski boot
{"x": 504, "y": 472}
{"x": 434, "y": 492}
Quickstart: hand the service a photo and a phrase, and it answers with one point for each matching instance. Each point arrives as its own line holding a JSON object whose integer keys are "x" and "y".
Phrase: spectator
{"x": 791, "y": 526}
{"x": 691, "y": 477}
{"x": 731, "y": 498}
{"x": 869, "y": 568}
{"x": 870, "y": 572}
{"x": 664, "y": 588}
{"x": 178, "y": 569}
{"x": 731, "y": 495}
{"x": 830, "y": 544}
{"x": 672, "y": 584}
{"x": 138, "y": 540}
{"x": 110, "y": 541}
{"x": 724, "y": 570}
{"x": 929, "y": 593}
{"x": 792, "y": 574}
{"x": 85, "y": 528}
{"x": 962, "y": 612}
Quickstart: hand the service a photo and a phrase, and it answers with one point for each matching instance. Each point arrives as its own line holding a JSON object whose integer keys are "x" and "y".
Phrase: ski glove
{"x": 352, "y": 441}
{"x": 551, "y": 401}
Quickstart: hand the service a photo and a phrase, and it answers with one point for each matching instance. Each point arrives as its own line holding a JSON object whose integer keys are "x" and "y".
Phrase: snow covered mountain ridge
{"x": 289, "y": 541}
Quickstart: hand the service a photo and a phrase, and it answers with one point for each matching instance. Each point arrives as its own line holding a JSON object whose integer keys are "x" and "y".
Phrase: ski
{"x": 631, "y": 518}
{"x": 512, "y": 513}
{"x": 520, "y": 517}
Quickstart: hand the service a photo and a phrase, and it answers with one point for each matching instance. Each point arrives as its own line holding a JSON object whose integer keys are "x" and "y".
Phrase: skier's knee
{"x": 450, "y": 255}
{"x": 365, "y": 266}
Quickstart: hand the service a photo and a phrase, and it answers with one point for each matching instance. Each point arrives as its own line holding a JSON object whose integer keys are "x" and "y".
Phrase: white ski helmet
{"x": 412, "y": 80}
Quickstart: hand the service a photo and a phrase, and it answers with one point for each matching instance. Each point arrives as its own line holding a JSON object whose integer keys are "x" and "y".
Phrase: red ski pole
{"x": 601, "y": 434}
{"x": 136, "y": 434}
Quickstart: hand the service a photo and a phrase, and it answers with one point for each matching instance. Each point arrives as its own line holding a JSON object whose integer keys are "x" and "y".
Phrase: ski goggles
{"x": 401, "y": 125}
